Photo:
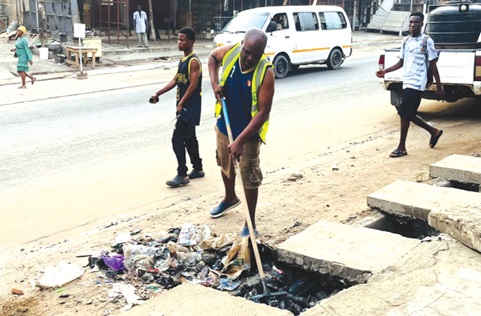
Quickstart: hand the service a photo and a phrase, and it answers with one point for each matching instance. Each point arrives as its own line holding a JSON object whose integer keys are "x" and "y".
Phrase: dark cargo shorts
{"x": 250, "y": 170}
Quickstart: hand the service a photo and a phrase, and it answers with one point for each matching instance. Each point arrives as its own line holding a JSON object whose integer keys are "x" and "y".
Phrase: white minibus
{"x": 297, "y": 35}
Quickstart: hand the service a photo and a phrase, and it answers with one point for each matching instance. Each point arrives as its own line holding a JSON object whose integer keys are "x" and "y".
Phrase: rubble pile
{"x": 141, "y": 268}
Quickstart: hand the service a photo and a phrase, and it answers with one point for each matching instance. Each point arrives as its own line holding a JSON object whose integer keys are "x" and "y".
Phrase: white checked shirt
{"x": 414, "y": 66}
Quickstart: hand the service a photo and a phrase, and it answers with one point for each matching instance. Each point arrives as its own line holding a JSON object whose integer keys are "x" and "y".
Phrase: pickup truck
{"x": 455, "y": 29}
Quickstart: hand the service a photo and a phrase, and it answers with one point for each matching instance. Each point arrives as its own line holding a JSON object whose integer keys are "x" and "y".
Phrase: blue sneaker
{"x": 220, "y": 209}
{"x": 245, "y": 232}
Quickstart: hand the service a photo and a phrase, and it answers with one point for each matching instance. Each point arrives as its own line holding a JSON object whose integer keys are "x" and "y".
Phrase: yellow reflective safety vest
{"x": 228, "y": 62}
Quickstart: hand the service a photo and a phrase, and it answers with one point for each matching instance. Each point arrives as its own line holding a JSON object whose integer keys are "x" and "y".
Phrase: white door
{"x": 280, "y": 40}
{"x": 306, "y": 30}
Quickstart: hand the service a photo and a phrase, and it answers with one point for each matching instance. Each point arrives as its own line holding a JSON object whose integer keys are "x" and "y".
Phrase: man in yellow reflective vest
{"x": 247, "y": 86}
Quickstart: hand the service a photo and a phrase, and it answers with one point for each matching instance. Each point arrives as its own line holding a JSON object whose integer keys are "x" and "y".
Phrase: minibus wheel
{"x": 334, "y": 61}
{"x": 281, "y": 66}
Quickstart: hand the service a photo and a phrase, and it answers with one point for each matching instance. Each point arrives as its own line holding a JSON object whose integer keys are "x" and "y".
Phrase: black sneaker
{"x": 196, "y": 174}
{"x": 177, "y": 181}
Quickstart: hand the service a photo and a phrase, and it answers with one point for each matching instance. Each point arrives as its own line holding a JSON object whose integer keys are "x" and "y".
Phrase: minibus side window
{"x": 298, "y": 23}
{"x": 332, "y": 20}
{"x": 343, "y": 20}
{"x": 281, "y": 21}
{"x": 306, "y": 21}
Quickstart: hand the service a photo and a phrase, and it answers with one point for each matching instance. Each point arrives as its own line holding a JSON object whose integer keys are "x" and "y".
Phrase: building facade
{"x": 114, "y": 17}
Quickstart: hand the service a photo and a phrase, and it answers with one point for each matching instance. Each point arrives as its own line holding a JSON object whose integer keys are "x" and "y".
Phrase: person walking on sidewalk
{"x": 247, "y": 85}
{"x": 25, "y": 56}
{"x": 416, "y": 62}
{"x": 188, "y": 81}
{"x": 141, "y": 25}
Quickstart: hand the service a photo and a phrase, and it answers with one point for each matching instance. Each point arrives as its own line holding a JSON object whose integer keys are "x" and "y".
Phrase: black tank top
{"x": 192, "y": 107}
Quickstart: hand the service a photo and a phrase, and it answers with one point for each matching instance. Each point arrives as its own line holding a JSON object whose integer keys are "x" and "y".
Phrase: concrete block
{"x": 208, "y": 302}
{"x": 465, "y": 169}
{"x": 417, "y": 199}
{"x": 436, "y": 278}
{"x": 461, "y": 222}
{"x": 353, "y": 253}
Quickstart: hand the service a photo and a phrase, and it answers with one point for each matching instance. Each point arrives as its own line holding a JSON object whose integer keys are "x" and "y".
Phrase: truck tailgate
{"x": 455, "y": 66}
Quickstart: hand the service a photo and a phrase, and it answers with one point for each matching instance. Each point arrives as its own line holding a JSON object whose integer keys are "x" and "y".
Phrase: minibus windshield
{"x": 244, "y": 22}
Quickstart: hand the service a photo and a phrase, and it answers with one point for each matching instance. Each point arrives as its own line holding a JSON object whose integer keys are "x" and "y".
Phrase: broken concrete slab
{"x": 461, "y": 222}
{"x": 209, "y": 302}
{"x": 440, "y": 277}
{"x": 461, "y": 168}
{"x": 407, "y": 198}
{"x": 352, "y": 253}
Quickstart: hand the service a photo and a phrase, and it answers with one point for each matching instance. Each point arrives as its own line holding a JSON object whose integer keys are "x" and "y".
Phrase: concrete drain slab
{"x": 352, "y": 253}
{"x": 417, "y": 199}
{"x": 461, "y": 222}
{"x": 465, "y": 169}
{"x": 192, "y": 299}
{"x": 436, "y": 278}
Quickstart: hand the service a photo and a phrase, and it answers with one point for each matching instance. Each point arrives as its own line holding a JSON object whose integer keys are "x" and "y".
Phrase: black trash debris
{"x": 192, "y": 254}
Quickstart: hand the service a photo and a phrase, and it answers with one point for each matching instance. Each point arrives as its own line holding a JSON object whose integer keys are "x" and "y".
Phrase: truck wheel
{"x": 335, "y": 60}
{"x": 281, "y": 66}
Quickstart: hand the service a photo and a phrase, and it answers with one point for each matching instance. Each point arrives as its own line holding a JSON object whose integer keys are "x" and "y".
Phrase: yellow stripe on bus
{"x": 309, "y": 49}
{"x": 316, "y": 49}
{"x": 302, "y": 50}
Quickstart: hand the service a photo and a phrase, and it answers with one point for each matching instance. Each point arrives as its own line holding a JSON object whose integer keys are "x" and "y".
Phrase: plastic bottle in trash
{"x": 296, "y": 286}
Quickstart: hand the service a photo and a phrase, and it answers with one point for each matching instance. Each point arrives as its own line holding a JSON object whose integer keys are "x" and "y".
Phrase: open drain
{"x": 289, "y": 288}
{"x": 151, "y": 265}
{"x": 473, "y": 187}
{"x": 408, "y": 227}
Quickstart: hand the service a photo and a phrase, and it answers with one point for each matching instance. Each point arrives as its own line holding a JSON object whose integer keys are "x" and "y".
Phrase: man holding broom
{"x": 247, "y": 87}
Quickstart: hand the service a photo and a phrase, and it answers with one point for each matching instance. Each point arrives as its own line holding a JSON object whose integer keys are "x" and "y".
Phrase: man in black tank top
{"x": 188, "y": 81}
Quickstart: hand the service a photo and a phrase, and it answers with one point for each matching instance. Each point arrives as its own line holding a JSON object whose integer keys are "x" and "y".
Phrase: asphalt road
{"x": 82, "y": 160}
{"x": 45, "y": 137}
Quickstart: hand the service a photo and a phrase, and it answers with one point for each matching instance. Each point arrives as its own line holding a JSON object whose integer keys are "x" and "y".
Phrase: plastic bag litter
{"x": 191, "y": 235}
{"x": 139, "y": 257}
{"x": 114, "y": 261}
{"x": 123, "y": 238}
{"x": 62, "y": 274}
{"x": 128, "y": 292}
{"x": 134, "y": 250}
{"x": 228, "y": 284}
{"x": 218, "y": 242}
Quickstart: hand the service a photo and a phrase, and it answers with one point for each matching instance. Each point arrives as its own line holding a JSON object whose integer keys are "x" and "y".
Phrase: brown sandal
{"x": 33, "y": 80}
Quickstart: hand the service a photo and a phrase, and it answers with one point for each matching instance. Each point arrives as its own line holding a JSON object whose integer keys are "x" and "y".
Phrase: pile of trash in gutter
{"x": 146, "y": 266}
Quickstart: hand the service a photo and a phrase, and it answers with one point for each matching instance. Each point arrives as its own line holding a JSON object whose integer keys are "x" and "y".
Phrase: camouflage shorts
{"x": 250, "y": 170}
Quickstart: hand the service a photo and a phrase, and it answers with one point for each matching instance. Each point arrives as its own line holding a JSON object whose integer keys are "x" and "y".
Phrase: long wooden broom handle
{"x": 260, "y": 268}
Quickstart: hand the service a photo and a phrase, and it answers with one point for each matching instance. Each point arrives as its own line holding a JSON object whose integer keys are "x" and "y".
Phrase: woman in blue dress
{"x": 24, "y": 54}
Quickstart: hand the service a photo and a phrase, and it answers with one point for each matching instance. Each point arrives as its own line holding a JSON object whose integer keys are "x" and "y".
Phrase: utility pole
{"x": 151, "y": 21}
{"x": 43, "y": 23}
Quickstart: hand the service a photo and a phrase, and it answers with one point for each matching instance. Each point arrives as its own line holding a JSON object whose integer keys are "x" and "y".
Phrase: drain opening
{"x": 288, "y": 287}
{"x": 473, "y": 187}
{"x": 152, "y": 265}
{"x": 405, "y": 226}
